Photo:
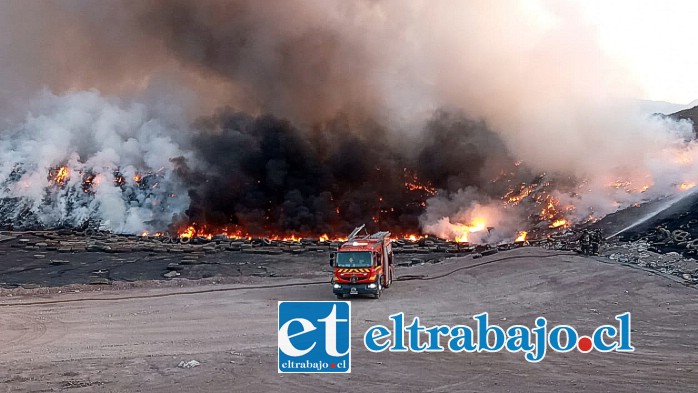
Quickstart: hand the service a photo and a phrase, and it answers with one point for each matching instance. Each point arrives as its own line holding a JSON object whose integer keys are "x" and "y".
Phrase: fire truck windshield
{"x": 354, "y": 259}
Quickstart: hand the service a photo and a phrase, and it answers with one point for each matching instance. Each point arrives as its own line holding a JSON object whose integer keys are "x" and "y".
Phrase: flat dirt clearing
{"x": 135, "y": 344}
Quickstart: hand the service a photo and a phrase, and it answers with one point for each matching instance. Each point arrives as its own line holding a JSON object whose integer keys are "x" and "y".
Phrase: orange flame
{"x": 188, "y": 233}
{"x": 559, "y": 223}
{"x": 521, "y": 237}
{"x": 62, "y": 175}
{"x": 412, "y": 183}
{"x": 686, "y": 186}
{"x": 477, "y": 225}
{"x": 413, "y": 186}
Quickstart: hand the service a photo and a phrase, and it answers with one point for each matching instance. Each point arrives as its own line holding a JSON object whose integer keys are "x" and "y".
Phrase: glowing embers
{"x": 562, "y": 223}
{"x": 412, "y": 183}
{"x": 59, "y": 175}
{"x": 685, "y": 186}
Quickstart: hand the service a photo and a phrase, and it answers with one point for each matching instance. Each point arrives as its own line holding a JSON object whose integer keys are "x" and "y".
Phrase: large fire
{"x": 537, "y": 193}
{"x": 191, "y": 232}
{"x": 540, "y": 198}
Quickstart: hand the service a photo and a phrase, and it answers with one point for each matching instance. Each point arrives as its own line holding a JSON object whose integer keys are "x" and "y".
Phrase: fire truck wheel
{"x": 390, "y": 278}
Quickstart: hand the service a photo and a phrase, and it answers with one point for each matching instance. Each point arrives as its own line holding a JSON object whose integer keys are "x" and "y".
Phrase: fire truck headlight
{"x": 372, "y": 285}
{"x": 337, "y": 286}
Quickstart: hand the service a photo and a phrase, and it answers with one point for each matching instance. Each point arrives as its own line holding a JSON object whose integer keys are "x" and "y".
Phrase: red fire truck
{"x": 363, "y": 265}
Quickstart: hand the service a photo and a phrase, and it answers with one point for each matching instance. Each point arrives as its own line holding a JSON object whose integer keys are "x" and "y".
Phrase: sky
{"x": 654, "y": 40}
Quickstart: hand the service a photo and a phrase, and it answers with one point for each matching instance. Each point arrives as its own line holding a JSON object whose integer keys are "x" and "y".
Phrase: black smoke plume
{"x": 263, "y": 174}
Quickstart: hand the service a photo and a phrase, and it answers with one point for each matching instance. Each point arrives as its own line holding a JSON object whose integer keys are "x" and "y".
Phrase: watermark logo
{"x": 314, "y": 337}
{"x": 533, "y": 342}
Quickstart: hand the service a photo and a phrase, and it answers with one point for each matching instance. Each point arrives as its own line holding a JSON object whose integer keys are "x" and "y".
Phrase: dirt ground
{"x": 131, "y": 340}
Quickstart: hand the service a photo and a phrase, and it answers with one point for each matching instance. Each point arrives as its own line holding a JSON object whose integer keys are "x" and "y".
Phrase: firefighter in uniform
{"x": 596, "y": 238}
{"x": 585, "y": 242}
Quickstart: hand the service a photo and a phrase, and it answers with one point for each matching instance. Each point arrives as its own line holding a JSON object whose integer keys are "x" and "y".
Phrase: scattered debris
{"x": 645, "y": 254}
{"x": 190, "y": 364}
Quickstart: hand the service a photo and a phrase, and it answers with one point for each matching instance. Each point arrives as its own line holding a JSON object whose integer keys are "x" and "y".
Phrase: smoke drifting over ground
{"x": 335, "y": 113}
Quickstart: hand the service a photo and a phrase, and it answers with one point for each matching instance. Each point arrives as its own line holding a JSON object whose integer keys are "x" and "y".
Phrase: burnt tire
{"x": 692, "y": 245}
{"x": 680, "y": 235}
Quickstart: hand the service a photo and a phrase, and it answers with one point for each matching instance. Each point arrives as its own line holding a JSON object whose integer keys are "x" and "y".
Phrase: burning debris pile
{"x": 68, "y": 241}
{"x": 240, "y": 175}
{"x": 86, "y": 158}
{"x": 237, "y": 174}
{"x": 70, "y": 199}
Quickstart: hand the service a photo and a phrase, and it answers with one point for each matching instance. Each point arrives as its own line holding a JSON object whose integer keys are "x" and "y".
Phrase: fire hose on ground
{"x": 287, "y": 285}
{"x": 271, "y": 286}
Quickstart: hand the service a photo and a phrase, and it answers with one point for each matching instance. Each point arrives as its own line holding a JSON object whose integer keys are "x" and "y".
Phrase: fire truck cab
{"x": 363, "y": 265}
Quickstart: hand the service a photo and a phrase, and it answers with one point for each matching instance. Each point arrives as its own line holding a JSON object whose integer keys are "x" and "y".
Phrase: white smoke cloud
{"x": 469, "y": 216}
{"x": 91, "y": 136}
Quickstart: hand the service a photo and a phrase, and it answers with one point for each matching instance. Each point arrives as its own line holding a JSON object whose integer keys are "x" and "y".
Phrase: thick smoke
{"x": 263, "y": 174}
{"x": 133, "y": 171}
{"x": 84, "y": 157}
{"x": 349, "y": 87}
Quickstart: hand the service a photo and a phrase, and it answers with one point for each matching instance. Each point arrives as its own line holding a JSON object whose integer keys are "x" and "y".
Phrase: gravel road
{"x": 135, "y": 343}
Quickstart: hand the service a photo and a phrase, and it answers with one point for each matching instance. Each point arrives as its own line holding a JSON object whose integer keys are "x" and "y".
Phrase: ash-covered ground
{"x": 58, "y": 258}
{"x": 49, "y": 260}
{"x": 126, "y": 340}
